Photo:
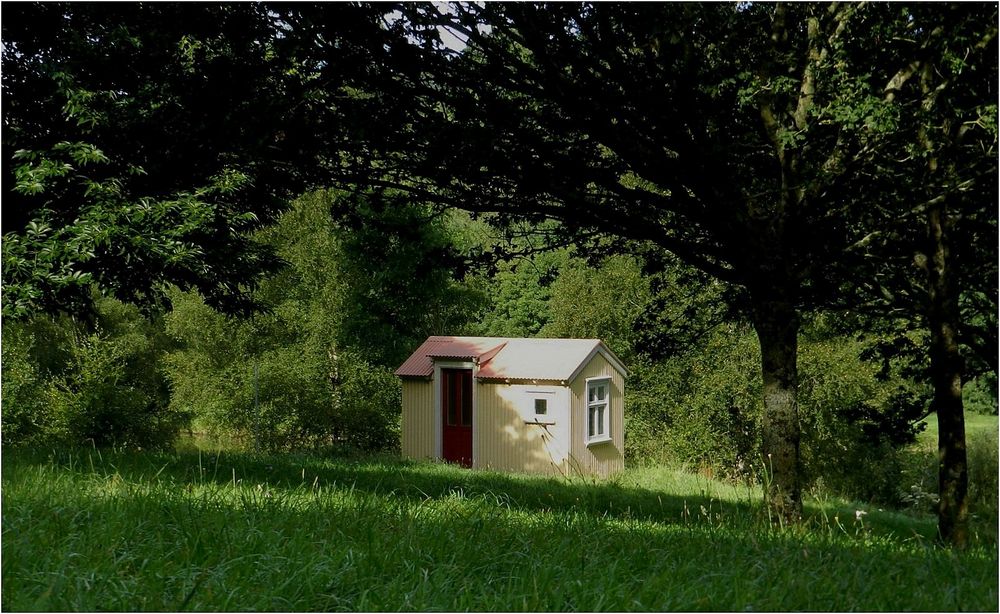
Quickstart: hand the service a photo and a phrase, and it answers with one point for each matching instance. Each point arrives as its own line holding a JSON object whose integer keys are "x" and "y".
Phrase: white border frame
{"x": 603, "y": 350}
{"x": 548, "y": 395}
{"x": 438, "y": 419}
{"x": 587, "y": 440}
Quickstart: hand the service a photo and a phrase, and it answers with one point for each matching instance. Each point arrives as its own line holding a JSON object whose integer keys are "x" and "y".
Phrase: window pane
{"x": 541, "y": 406}
{"x": 593, "y": 393}
{"x": 601, "y": 392}
{"x": 456, "y": 398}
{"x": 600, "y": 419}
{"x": 592, "y": 414}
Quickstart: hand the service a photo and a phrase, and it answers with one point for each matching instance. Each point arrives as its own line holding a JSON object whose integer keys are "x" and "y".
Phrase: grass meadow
{"x": 197, "y": 530}
{"x": 983, "y": 448}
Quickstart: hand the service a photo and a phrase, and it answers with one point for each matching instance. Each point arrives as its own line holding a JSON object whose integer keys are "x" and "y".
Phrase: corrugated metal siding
{"x": 606, "y": 458}
{"x": 505, "y": 442}
{"x": 502, "y": 439}
{"x": 418, "y": 438}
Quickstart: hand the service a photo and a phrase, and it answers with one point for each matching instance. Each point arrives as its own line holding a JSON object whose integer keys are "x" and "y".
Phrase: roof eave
{"x": 414, "y": 376}
{"x": 541, "y": 381}
{"x": 602, "y": 349}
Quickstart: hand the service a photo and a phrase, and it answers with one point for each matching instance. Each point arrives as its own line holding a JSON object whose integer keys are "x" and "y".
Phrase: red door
{"x": 456, "y": 405}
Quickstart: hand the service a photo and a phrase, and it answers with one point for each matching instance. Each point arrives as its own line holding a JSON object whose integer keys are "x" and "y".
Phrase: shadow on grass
{"x": 365, "y": 553}
{"x": 420, "y": 481}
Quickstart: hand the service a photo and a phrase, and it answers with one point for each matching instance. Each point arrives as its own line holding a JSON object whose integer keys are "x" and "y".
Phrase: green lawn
{"x": 226, "y": 531}
{"x": 921, "y": 474}
{"x": 977, "y": 426}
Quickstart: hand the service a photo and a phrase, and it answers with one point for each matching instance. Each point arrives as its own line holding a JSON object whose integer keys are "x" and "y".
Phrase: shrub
{"x": 26, "y": 394}
{"x": 982, "y": 447}
{"x": 103, "y": 399}
{"x": 274, "y": 386}
{"x": 853, "y": 424}
{"x": 64, "y": 385}
{"x": 702, "y": 409}
{"x": 353, "y": 301}
{"x": 980, "y": 395}
{"x": 370, "y": 399}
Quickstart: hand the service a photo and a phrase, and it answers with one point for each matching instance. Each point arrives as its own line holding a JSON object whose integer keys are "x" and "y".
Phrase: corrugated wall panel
{"x": 506, "y": 441}
{"x": 605, "y": 458}
{"x": 418, "y": 438}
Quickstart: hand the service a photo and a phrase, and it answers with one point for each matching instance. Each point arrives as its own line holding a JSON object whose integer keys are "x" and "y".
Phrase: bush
{"x": 984, "y": 467}
{"x": 273, "y": 383}
{"x": 853, "y": 424}
{"x": 101, "y": 399}
{"x": 703, "y": 409}
{"x": 26, "y": 394}
{"x": 370, "y": 399}
{"x": 979, "y": 396}
{"x": 352, "y": 303}
{"x": 919, "y": 484}
{"x": 64, "y": 385}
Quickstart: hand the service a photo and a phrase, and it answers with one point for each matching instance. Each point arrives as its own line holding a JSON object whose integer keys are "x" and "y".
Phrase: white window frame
{"x": 598, "y": 437}
{"x": 535, "y": 395}
{"x": 439, "y": 418}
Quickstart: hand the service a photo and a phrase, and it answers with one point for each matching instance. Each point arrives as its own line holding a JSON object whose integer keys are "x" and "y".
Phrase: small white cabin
{"x": 552, "y": 406}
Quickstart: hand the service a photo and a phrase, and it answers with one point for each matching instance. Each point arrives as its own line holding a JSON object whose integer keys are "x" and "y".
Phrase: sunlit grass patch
{"x": 225, "y": 531}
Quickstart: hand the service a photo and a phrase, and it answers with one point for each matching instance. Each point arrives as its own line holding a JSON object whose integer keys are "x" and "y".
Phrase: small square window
{"x": 541, "y": 407}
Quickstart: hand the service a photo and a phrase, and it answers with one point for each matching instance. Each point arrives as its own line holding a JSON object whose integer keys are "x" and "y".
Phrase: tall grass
{"x": 982, "y": 446}
{"x": 98, "y": 530}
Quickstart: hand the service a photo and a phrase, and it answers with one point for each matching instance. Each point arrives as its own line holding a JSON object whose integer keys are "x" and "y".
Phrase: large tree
{"x": 752, "y": 141}
{"x": 930, "y": 260}
{"x": 725, "y": 134}
{"x": 142, "y": 143}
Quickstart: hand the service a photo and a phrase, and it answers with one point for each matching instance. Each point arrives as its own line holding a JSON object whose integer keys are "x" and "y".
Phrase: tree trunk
{"x": 946, "y": 377}
{"x": 777, "y": 324}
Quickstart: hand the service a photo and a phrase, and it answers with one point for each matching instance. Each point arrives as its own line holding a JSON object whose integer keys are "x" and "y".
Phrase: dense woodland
{"x": 240, "y": 219}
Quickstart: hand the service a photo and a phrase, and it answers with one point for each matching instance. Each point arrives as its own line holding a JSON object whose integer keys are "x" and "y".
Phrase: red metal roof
{"x": 420, "y": 363}
{"x": 503, "y": 358}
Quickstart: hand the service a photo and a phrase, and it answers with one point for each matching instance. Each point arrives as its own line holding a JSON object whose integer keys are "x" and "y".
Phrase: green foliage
{"x": 702, "y": 409}
{"x": 144, "y": 143}
{"x": 693, "y": 398}
{"x": 347, "y": 309}
{"x": 369, "y": 398}
{"x": 827, "y": 124}
{"x": 853, "y": 423}
{"x": 236, "y": 378}
{"x": 919, "y": 481}
{"x": 519, "y": 295}
{"x": 980, "y": 395}
{"x": 99, "y": 399}
{"x": 397, "y": 263}
{"x": 984, "y": 469}
{"x": 600, "y": 302}
{"x": 26, "y": 409}
{"x": 275, "y": 387}
{"x": 65, "y": 385}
